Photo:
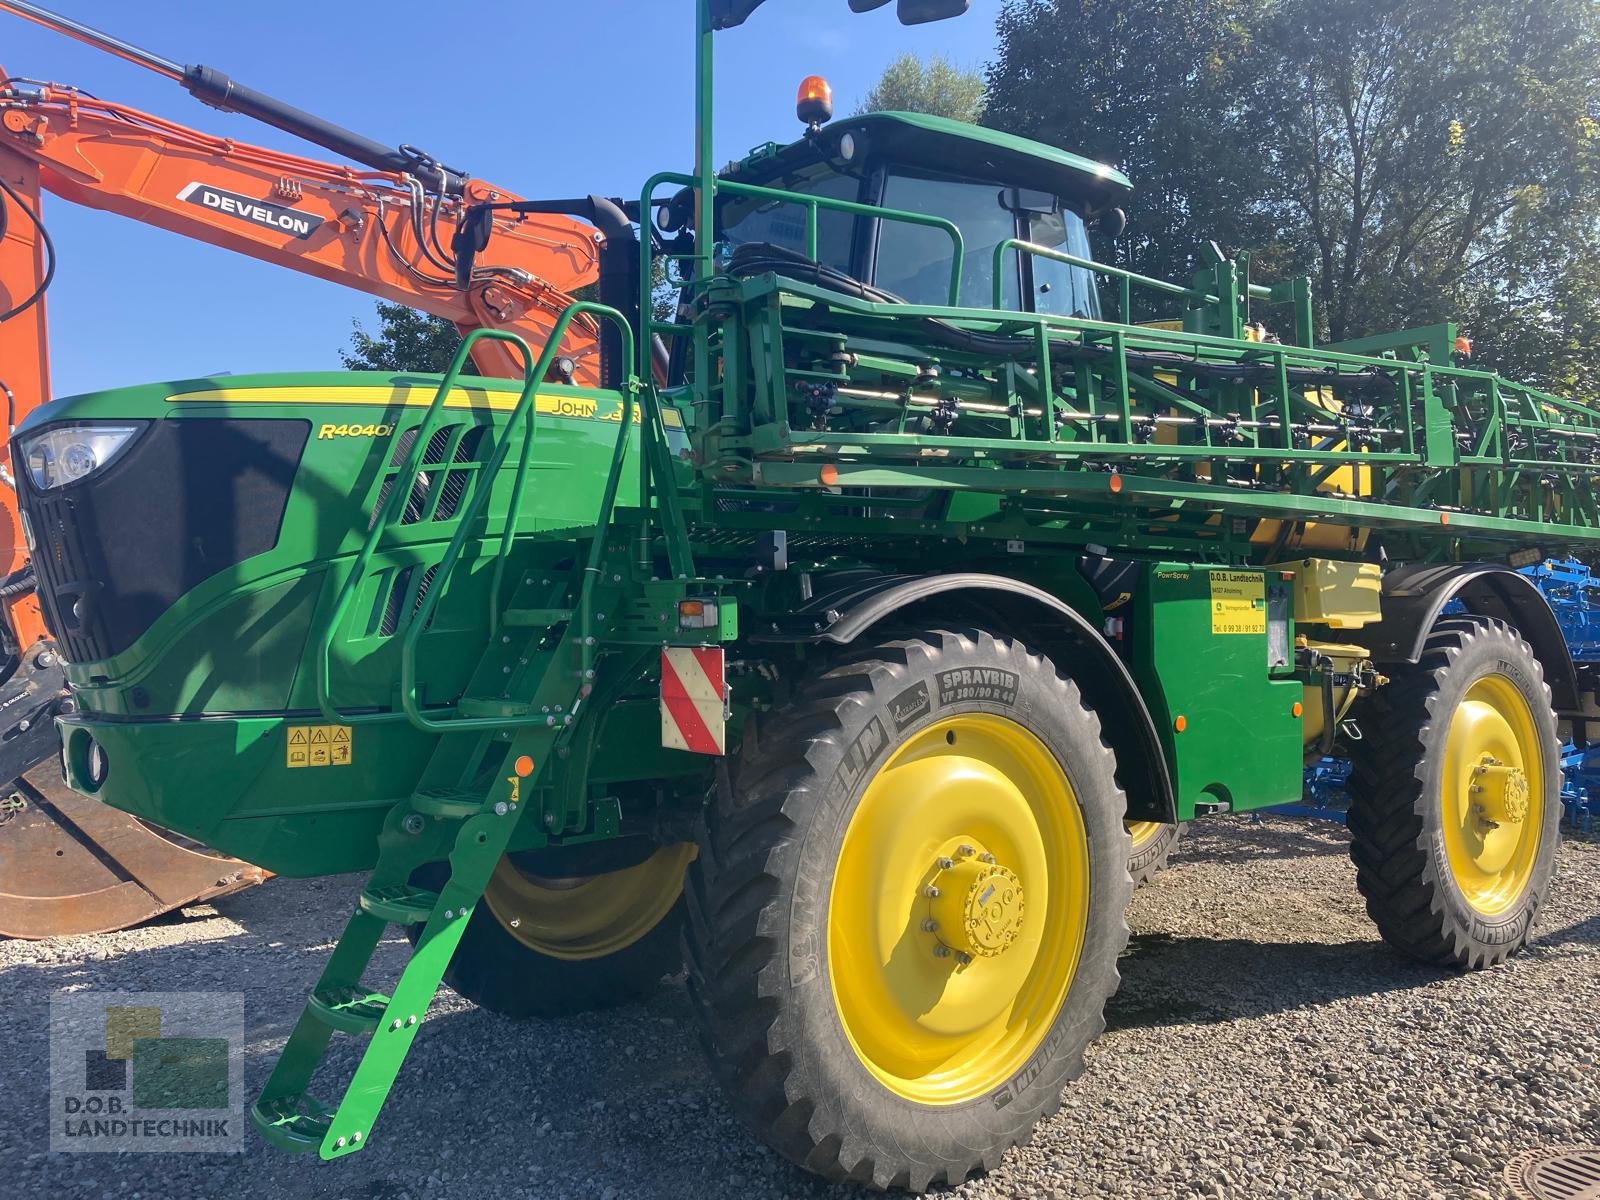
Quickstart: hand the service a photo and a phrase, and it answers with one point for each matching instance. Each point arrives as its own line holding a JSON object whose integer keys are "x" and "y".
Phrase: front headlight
{"x": 68, "y": 453}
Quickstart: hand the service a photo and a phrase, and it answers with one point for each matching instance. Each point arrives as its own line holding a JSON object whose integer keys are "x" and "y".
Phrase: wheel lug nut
{"x": 933, "y": 892}
{"x": 963, "y": 958}
{"x": 930, "y": 926}
{"x": 965, "y": 851}
{"x": 941, "y": 951}
{"x": 946, "y": 863}
{"x": 988, "y": 858}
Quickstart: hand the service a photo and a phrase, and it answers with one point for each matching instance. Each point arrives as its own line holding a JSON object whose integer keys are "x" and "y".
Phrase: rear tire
{"x": 1153, "y": 844}
{"x": 1455, "y": 797}
{"x": 562, "y": 958}
{"x": 847, "y": 1031}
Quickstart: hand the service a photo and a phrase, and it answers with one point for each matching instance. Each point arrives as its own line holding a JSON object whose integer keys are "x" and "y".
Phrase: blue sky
{"x": 547, "y": 98}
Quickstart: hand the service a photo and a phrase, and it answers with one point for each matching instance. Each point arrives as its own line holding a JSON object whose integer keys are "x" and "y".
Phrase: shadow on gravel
{"x": 1173, "y": 980}
{"x": 1170, "y": 980}
{"x": 1278, "y": 841}
{"x": 1567, "y": 938}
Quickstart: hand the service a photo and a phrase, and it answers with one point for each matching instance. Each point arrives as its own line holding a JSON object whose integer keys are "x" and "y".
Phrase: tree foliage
{"x": 406, "y": 340}
{"x": 1421, "y": 160}
{"x": 1151, "y": 86}
{"x": 937, "y": 87}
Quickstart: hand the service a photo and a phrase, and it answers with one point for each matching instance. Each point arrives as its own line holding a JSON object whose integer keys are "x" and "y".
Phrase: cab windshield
{"x": 913, "y": 261}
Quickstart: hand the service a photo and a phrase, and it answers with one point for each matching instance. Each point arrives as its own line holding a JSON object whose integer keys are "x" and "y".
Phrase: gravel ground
{"x": 1264, "y": 1044}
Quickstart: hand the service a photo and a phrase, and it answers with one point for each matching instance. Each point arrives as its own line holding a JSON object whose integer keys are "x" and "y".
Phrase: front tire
{"x": 552, "y": 941}
{"x": 905, "y": 917}
{"x": 1455, "y": 797}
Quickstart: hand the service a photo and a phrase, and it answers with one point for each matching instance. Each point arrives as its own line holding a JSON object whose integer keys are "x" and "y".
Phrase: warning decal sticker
{"x": 319, "y": 746}
{"x": 1238, "y": 602}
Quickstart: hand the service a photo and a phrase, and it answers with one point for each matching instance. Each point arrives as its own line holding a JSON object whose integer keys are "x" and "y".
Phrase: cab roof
{"x": 956, "y": 147}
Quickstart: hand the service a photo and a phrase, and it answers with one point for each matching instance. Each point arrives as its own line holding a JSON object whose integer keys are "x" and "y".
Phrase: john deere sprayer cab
{"x": 842, "y": 632}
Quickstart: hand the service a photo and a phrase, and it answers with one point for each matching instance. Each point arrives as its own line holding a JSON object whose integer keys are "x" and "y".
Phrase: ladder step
{"x": 292, "y": 1123}
{"x": 535, "y": 618}
{"x": 351, "y": 1009}
{"x": 399, "y": 904}
{"x": 447, "y": 804}
{"x": 483, "y": 706}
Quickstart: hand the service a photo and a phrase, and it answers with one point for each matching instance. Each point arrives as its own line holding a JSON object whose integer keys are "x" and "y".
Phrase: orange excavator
{"x": 388, "y": 226}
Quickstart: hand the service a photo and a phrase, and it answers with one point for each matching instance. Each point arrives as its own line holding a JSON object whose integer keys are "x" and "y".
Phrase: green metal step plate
{"x": 399, "y": 904}
{"x": 448, "y": 805}
{"x": 483, "y": 706}
{"x": 293, "y": 1123}
{"x": 351, "y": 1009}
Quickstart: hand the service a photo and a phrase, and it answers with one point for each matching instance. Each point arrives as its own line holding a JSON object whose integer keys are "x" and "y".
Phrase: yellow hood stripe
{"x": 547, "y": 404}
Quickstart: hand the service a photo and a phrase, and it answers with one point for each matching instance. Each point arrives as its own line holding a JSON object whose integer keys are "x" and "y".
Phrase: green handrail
{"x": 393, "y": 505}
{"x": 674, "y": 529}
{"x": 526, "y": 406}
{"x": 1125, "y": 278}
{"x": 811, "y": 204}
{"x": 525, "y": 411}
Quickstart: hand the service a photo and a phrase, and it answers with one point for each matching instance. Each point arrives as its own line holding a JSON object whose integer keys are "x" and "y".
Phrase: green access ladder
{"x": 501, "y": 736}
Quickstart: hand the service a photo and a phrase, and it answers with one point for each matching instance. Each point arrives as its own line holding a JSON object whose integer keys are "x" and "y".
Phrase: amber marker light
{"x": 1297, "y": 709}
{"x": 814, "y": 103}
{"x": 1181, "y": 724}
{"x": 829, "y": 475}
{"x": 1115, "y": 484}
{"x": 523, "y": 766}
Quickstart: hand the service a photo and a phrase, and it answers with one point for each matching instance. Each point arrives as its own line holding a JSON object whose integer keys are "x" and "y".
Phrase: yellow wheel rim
{"x": 1143, "y": 832}
{"x": 591, "y": 916}
{"x": 944, "y": 997}
{"x": 1493, "y": 792}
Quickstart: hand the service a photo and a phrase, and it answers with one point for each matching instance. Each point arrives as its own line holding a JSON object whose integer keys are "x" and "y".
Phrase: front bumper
{"x": 241, "y": 785}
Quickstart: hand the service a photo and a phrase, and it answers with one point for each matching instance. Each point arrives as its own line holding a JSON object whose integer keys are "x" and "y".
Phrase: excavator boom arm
{"x": 377, "y": 232}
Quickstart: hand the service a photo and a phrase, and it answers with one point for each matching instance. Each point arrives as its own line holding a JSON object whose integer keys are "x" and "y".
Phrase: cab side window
{"x": 914, "y": 260}
{"x": 779, "y": 224}
{"x": 1058, "y": 287}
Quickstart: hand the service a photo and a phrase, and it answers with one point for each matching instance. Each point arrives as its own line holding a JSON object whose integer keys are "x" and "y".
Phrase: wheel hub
{"x": 1499, "y": 792}
{"x": 975, "y": 906}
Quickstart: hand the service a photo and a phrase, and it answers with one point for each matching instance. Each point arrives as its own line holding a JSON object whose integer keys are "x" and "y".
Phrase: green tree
{"x": 1430, "y": 160}
{"x": 406, "y": 340}
{"x": 937, "y": 87}
{"x": 1422, "y": 160}
{"x": 1152, "y": 87}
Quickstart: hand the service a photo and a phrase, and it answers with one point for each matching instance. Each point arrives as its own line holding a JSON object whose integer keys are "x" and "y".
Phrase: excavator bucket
{"x": 71, "y": 865}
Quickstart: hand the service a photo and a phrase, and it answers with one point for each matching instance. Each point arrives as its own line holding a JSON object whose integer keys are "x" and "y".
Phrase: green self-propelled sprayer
{"x": 889, "y": 590}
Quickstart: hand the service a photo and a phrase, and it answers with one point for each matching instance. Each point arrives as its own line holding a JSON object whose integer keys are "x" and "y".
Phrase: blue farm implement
{"x": 1573, "y": 592}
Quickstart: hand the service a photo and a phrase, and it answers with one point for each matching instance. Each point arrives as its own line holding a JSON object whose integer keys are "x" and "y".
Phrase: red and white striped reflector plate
{"x": 692, "y": 700}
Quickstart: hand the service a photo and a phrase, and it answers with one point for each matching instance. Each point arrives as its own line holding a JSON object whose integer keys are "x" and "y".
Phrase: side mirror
{"x": 916, "y": 12}
{"x": 920, "y": 12}
{"x": 727, "y": 14}
{"x": 1030, "y": 201}
{"x": 471, "y": 237}
{"x": 1113, "y": 223}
